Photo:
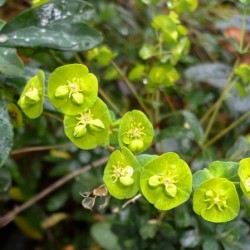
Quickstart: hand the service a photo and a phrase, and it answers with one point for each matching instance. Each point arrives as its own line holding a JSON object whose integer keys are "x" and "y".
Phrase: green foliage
{"x": 166, "y": 181}
{"x": 72, "y": 89}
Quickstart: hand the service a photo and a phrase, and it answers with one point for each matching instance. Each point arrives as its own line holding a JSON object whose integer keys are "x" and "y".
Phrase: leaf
{"x": 10, "y": 63}
{"x": 166, "y": 181}
{"x": 25, "y": 226}
{"x": 32, "y": 97}
{"x": 228, "y": 170}
{"x": 72, "y": 79}
{"x": 201, "y": 176}
{"x": 115, "y": 169}
{"x": 2, "y": 2}
{"x": 211, "y": 244}
{"x": 244, "y": 174}
{"x": 135, "y": 127}
{"x": 215, "y": 74}
{"x": 102, "y": 233}
{"x": 6, "y": 133}
{"x": 5, "y": 180}
{"x": 90, "y": 138}
{"x": 57, "y": 201}
{"x": 58, "y": 24}
{"x": 216, "y": 200}
{"x": 193, "y": 124}
{"x": 53, "y": 220}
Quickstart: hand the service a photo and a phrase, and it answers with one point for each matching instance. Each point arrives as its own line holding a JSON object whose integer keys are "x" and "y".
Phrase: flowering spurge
{"x": 216, "y": 200}
{"x": 31, "y": 99}
{"x": 121, "y": 174}
{"x": 244, "y": 174}
{"x": 135, "y": 131}
{"x": 89, "y": 128}
{"x": 166, "y": 181}
{"x": 71, "y": 88}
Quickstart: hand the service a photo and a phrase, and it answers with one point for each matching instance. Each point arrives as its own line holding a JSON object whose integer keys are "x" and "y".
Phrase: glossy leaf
{"x": 5, "y": 180}
{"x": 6, "y": 133}
{"x": 81, "y": 133}
{"x": 10, "y": 63}
{"x": 200, "y": 177}
{"x": 135, "y": 131}
{"x": 116, "y": 171}
{"x": 58, "y": 24}
{"x": 71, "y": 88}
{"x": 166, "y": 181}
{"x": 216, "y": 200}
{"x": 31, "y": 99}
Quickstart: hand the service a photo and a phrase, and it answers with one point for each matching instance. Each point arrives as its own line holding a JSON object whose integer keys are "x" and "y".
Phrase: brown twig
{"x": 132, "y": 200}
{"x": 7, "y": 218}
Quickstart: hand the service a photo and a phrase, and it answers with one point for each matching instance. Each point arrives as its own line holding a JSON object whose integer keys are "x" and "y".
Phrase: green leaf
{"x": 228, "y": 170}
{"x": 90, "y": 138}
{"x": 201, "y": 176}
{"x": 58, "y": 24}
{"x": 68, "y": 81}
{"x": 2, "y": 23}
{"x": 216, "y": 200}
{"x": 10, "y": 63}
{"x": 6, "y": 133}
{"x": 244, "y": 174}
{"x": 115, "y": 169}
{"x": 2, "y": 2}
{"x": 174, "y": 184}
{"x": 31, "y": 99}
{"x": 193, "y": 124}
{"x": 57, "y": 201}
{"x": 211, "y": 244}
{"x": 147, "y": 51}
{"x": 103, "y": 234}
{"x": 5, "y": 180}
{"x": 135, "y": 131}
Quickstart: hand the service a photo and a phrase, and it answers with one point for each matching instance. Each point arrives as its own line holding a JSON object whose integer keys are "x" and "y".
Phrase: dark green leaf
{"x": 58, "y": 24}
{"x": 10, "y": 63}
{"x": 211, "y": 244}
{"x": 5, "y": 180}
{"x": 201, "y": 176}
{"x": 2, "y": 2}
{"x": 6, "y": 133}
{"x": 2, "y": 23}
{"x": 57, "y": 201}
{"x": 102, "y": 233}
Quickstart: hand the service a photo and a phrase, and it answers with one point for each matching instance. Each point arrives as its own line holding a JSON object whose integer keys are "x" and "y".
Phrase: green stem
{"x": 226, "y": 130}
{"x": 243, "y": 30}
{"x": 219, "y": 102}
{"x": 109, "y": 101}
{"x": 132, "y": 89}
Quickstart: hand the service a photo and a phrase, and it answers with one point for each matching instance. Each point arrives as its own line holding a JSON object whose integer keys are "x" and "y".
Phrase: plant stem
{"x": 218, "y": 103}
{"x": 131, "y": 87}
{"x": 109, "y": 101}
{"x": 38, "y": 148}
{"x": 229, "y": 128}
{"x": 7, "y": 218}
{"x": 243, "y": 30}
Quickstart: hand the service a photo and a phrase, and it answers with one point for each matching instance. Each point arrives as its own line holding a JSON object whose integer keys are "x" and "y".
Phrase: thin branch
{"x": 7, "y": 218}
{"x": 131, "y": 88}
{"x": 132, "y": 200}
{"x": 38, "y": 148}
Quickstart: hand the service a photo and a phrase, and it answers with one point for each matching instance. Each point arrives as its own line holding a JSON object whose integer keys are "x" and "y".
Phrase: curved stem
{"x": 7, "y": 218}
{"x": 131, "y": 87}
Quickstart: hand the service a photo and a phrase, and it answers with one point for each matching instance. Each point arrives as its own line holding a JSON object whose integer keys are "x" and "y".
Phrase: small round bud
{"x": 154, "y": 181}
{"x": 62, "y": 92}
{"x": 171, "y": 190}
{"x": 80, "y": 131}
{"x": 32, "y": 96}
{"x": 136, "y": 145}
{"x": 78, "y": 98}
{"x": 126, "y": 180}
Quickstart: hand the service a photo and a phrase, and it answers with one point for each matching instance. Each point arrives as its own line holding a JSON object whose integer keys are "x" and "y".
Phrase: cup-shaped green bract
{"x": 122, "y": 174}
{"x": 71, "y": 88}
{"x": 244, "y": 174}
{"x": 166, "y": 181}
{"x": 216, "y": 200}
{"x": 89, "y": 128}
{"x": 31, "y": 99}
{"x": 135, "y": 131}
